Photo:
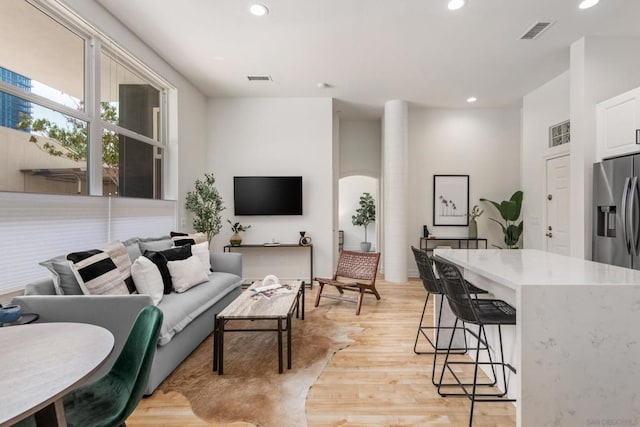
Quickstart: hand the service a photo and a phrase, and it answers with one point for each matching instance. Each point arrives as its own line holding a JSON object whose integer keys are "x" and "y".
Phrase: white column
{"x": 395, "y": 184}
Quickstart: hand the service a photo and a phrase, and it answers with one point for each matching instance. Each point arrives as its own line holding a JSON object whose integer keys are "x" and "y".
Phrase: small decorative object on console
{"x": 304, "y": 241}
{"x": 237, "y": 228}
{"x": 473, "y": 225}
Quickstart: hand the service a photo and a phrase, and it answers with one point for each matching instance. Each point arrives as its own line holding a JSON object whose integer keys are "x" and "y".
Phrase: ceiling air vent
{"x": 535, "y": 31}
{"x": 259, "y": 78}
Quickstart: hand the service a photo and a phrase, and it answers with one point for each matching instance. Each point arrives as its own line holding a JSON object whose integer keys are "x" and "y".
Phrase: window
{"x": 55, "y": 111}
{"x": 560, "y": 134}
{"x": 130, "y": 109}
{"x": 44, "y": 151}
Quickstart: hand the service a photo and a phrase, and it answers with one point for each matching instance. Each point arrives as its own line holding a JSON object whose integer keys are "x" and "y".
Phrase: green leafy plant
{"x": 205, "y": 203}
{"x": 237, "y": 227}
{"x": 510, "y": 212}
{"x": 365, "y": 214}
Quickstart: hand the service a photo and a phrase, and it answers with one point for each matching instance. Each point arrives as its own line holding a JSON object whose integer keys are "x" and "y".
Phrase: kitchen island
{"x": 576, "y": 344}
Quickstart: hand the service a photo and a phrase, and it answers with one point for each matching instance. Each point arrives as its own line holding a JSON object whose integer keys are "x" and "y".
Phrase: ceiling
{"x": 372, "y": 51}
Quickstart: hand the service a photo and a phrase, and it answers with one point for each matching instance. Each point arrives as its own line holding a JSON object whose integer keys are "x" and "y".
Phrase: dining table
{"x": 41, "y": 362}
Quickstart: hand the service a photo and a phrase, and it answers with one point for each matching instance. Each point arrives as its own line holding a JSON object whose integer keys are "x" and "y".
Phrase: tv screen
{"x": 267, "y": 195}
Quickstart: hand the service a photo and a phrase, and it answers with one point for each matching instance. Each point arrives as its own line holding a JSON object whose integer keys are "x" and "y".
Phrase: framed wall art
{"x": 451, "y": 200}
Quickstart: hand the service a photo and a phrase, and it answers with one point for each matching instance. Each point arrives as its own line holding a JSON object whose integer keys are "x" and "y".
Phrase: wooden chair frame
{"x": 356, "y": 272}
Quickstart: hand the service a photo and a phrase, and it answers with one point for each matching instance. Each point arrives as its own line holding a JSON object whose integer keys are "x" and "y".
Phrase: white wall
{"x": 600, "y": 69}
{"x": 277, "y": 136}
{"x": 351, "y": 188}
{"x": 546, "y": 106}
{"x": 481, "y": 143}
{"x": 360, "y": 147}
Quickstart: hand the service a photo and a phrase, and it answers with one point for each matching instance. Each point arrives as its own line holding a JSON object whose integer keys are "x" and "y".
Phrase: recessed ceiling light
{"x": 258, "y": 9}
{"x": 456, "y": 4}
{"x": 586, "y": 4}
{"x": 472, "y": 99}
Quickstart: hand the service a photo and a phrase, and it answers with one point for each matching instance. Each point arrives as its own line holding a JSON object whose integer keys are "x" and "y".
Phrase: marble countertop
{"x": 530, "y": 267}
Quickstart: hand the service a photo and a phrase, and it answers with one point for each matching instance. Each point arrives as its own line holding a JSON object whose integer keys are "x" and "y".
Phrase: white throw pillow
{"x": 147, "y": 279}
{"x": 186, "y": 273}
{"x": 201, "y": 250}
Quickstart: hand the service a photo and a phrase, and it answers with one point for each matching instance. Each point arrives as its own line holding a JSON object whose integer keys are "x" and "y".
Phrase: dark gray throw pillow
{"x": 160, "y": 259}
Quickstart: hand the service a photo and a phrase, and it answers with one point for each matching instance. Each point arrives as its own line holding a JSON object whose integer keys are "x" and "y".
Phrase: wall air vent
{"x": 535, "y": 31}
{"x": 259, "y": 78}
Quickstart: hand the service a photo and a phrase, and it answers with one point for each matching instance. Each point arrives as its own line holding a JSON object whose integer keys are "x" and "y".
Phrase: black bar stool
{"x": 432, "y": 286}
{"x": 480, "y": 312}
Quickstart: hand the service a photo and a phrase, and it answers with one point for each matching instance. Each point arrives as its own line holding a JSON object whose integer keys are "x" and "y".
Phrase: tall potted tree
{"x": 364, "y": 216}
{"x": 205, "y": 203}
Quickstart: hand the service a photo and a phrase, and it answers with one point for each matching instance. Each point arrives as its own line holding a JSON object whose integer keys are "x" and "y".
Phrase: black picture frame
{"x": 451, "y": 200}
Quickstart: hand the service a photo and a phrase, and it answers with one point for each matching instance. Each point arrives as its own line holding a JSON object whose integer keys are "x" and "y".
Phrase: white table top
{"x": 41, "y": 362}
{"x": 530, "y": 267}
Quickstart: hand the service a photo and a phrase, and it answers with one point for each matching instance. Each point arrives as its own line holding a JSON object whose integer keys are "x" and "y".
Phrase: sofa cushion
{"x": 181, "y": 309}
{"x": 147, "y": 279}
{"x": 133, "y": 249}
{"x": 181, "y": 239}
{"x": 160, "y": 258}
{"x": 201, "y": 250}
{"x": 96, "y": 273}
{"x": 186, "y": 273}
{"x": 118, "y": 253}
{"x": 155, "y": 245}
{"x": 64, "y": 280}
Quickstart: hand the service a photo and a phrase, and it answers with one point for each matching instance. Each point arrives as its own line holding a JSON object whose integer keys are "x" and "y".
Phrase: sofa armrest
{"x": 227, "y": 262}
{"x": 116, "y": 313}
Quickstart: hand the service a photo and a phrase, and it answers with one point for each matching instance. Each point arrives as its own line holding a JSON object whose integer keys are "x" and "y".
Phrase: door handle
{"x": 632, "y": 223}
{"x": 549, "y": 235}
{"x": 625, "y": 195}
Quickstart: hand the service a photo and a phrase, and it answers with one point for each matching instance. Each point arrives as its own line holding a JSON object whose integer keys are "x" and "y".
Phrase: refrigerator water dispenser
{"x": 606, "y": 221}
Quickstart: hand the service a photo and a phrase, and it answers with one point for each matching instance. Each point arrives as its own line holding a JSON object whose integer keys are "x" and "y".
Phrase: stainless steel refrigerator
{"x": 616, "y": 205}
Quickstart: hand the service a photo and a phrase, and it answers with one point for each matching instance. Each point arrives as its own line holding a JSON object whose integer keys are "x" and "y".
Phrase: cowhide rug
{"x": 251, "y": 390}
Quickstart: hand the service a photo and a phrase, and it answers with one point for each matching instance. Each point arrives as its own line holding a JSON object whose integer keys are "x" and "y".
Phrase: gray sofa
{"x": 188, "y": 317}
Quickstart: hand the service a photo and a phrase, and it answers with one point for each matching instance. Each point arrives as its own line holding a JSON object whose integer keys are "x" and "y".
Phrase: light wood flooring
{"x": 376, "y": 381}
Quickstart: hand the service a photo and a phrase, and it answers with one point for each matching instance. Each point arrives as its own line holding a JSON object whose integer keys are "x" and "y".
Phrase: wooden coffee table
{"x": 250, "y": 306}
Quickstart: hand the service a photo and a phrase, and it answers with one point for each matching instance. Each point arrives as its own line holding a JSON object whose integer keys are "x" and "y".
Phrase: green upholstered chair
{"x": 111, "y": 399}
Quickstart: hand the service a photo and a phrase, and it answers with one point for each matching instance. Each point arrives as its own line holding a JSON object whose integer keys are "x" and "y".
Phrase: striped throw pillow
{"x": 118, "y": 253}
{"x": 96, "y": 273}
{"x": 181, "y": 239}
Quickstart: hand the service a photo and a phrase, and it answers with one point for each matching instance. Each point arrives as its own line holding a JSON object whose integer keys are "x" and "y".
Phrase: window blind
{"x": 36, "y": 227}
{"x": 141, "y": 217}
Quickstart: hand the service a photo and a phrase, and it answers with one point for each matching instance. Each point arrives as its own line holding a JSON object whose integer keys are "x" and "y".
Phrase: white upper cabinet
{"x": 618, "y": 125}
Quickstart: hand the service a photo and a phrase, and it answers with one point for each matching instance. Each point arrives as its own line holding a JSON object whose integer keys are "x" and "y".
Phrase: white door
{"x": 557, "y": 199}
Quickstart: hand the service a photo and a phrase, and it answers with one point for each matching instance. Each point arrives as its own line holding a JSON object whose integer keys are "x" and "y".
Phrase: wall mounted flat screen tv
{"x": 267, "y": 195}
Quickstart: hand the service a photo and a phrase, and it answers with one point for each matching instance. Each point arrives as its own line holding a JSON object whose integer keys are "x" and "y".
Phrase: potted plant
{"x": 365, "y": 215}
{"x": 237, "y": 228}
{"x": 510, "y": 212}
{"x": 205, "y": 203}
{"x": 473, "y": 225}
